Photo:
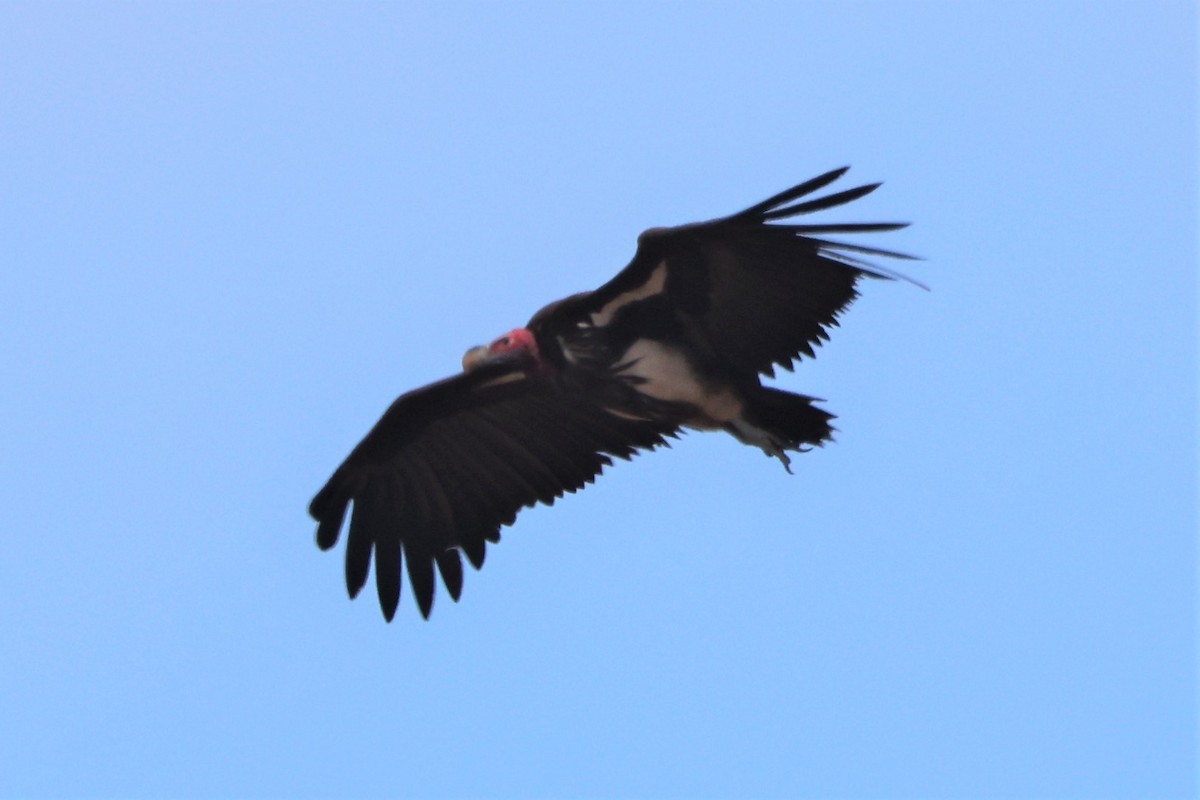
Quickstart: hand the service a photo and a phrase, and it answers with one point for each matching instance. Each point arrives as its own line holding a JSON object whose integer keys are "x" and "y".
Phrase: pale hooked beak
{"x": 516, "y": 346}
{"x": 475, "y": 357}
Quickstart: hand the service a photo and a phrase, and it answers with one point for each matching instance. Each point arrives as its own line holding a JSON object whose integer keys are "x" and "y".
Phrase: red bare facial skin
{"x": 518, "y": 344}
{"x": 516, "y": 340}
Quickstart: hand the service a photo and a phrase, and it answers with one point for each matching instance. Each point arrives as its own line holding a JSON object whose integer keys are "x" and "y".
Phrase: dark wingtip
{"x": 476, "y": 551}
{"x": 449, "y": 564}
{"x": 387, "y": 577}
{"x": 821, "y": 203}
{"x": 424, "y": 600}
{"x": 799, "y": 190}
{"x": 420, "y": 578}
{"x": 849, "y": 227}
{"x": 328, "y": 530}
{"x": 388, "y": 609}
{"x": 329, "y": 510}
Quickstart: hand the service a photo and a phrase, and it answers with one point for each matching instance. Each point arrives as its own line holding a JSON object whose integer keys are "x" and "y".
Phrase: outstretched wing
{"x": 757, "y": 294}
{"x": 450, "y": 463}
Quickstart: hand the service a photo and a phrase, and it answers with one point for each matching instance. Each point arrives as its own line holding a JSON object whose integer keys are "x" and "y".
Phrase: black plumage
{"x": 679, "y": 338}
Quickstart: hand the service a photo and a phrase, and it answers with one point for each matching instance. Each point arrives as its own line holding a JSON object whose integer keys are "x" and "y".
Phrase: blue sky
{"x": 232, "y": 233}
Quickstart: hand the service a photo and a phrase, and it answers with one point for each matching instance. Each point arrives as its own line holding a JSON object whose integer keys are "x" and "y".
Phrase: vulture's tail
{"x": 778, "y": 421}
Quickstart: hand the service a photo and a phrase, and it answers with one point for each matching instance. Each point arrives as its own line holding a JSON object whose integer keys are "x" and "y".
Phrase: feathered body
{"x": 679, "y": 338}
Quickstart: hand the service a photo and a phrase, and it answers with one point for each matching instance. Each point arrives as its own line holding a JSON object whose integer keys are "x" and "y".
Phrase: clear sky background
{"x": 231, "y": 234}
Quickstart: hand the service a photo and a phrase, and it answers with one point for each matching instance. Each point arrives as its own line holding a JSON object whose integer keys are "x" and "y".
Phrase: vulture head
{"x": 515, "y": 347}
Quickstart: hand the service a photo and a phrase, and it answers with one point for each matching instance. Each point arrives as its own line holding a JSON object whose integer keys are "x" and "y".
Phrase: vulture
{"x": 680, "y": 338}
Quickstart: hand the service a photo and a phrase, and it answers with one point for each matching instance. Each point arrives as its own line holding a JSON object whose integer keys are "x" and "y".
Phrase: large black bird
{"x": 679, "y": 338}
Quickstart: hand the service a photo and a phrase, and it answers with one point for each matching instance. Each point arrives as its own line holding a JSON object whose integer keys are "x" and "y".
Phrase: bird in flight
{"x": 680, "y": 338}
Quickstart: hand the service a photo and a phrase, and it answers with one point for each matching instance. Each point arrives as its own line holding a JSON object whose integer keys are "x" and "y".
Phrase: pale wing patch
{"x": 616, "y": 412}
{"x": 653, "y": 285}
{"x": 664, "y": 373}
{"x": 509, "y": 378}
{"x": 567, "y": 351}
